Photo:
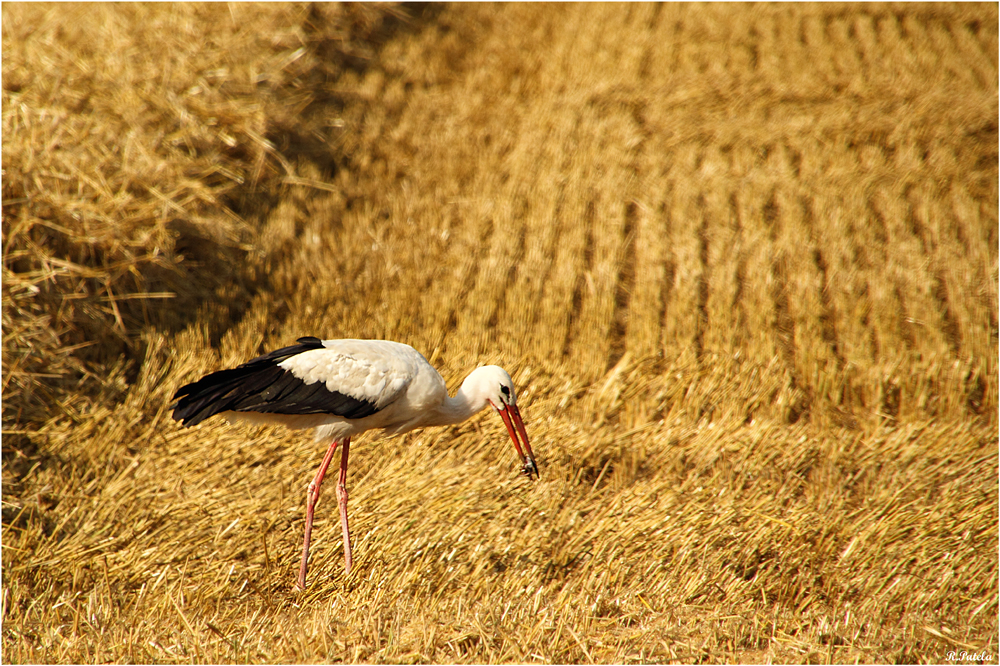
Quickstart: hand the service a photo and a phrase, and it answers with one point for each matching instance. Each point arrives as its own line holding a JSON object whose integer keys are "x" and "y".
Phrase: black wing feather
{"x": 260, "y": 385}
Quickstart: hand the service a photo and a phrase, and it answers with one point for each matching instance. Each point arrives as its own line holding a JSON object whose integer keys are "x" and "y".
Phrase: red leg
{"x": 342, "y": 501}
{"x": 312, "y": 496}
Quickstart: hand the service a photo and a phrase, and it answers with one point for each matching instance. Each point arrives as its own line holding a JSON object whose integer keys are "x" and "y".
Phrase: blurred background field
{"x": 740, "y": 260}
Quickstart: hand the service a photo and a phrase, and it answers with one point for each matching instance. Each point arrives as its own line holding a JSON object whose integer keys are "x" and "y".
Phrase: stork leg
{"x": 312, "y": 496}
{"x": 342, "y": 501}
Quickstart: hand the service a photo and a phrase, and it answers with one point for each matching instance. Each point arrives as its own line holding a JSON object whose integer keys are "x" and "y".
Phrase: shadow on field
{"x": 181, "y": 183}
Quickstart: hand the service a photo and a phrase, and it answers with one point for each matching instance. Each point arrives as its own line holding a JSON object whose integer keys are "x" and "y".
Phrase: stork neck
{"x": 470, "y": 399}
{"x": 460, "y": 408}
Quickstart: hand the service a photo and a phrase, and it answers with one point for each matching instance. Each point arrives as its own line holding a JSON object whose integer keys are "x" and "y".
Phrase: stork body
{"x": 344, "y": 388}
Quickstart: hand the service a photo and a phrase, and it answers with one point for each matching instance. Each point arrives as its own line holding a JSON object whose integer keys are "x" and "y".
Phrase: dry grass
{"x": 740, "y": 260}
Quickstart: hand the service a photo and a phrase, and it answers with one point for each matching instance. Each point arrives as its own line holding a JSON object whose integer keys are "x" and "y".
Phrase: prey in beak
{"x": 511, "y": 416}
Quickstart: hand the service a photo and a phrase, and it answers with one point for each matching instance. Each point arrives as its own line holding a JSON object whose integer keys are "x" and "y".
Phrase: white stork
{"x": 343, "y": 388}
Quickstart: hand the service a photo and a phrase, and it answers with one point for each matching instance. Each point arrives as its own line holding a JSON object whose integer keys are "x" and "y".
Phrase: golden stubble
{"x": 740, "y": 261}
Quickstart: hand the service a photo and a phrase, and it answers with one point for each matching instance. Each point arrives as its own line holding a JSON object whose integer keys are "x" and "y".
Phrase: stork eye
{"x": 505, "y": 390}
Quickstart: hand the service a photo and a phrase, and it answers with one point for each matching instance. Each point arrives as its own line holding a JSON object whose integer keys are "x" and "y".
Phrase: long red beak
{"x": 512, "y": 419}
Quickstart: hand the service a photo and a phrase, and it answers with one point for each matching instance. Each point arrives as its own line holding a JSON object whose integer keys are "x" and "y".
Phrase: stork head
{"x": 498, "y": 389}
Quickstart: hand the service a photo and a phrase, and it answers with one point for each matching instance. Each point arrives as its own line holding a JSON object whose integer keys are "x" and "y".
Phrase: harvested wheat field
{"x": 741, "y": 262}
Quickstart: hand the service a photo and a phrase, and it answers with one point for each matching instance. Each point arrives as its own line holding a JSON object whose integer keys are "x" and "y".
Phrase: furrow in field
{"x": 949, "y": 321}
{"x": 641, "y": 280}
{"x": 557, "y": 239}
{"x": 926, "y": 286}
{"x": 977, "y": 41}
{"x": 646, "y": 302}
{"x": 818, "y": 362}
{"x": 740, "y": 336}
{"x": 544, "y": 228}
{"x": 888, "y": 342}
{"x": 955, "y": 68}
{"x": 812, "y": 32}
{"x": 665, "y": 270}
{"x": 842, "y": 50}
{"x": 681, "y": 317}
{"x": 757, "y": 253}
{"x": 822, "y": 362}
{"x": 624, "y": 284}
{"x": 510, "y": 298}
{"x": 551, "y": 227}
{"x": 563, "y": 293}
{"x": 847, "y": 302}
{"x": 873, "y": 58}
{"x": 703, "y": 281}
{"x": 827, "y": 316}
{"x": 463, "y": 247}
{"x": 896, "y": 47}
{"x": 473, "y": 329}
{"x": 631, "y": 322}
{"x": 583, "y": 282}
{"x": 605, "y": 134}
{"x": 719, "y": 253}
{"x": 664, "y": 225}
{"x": 963, "y": 321}
{"x": 978, "y": 232}
{"x": 786, "y": 282}
{"x": 769, "y": 55}
{"x": 590, "y": 350}
{"x": 973, "y": 286}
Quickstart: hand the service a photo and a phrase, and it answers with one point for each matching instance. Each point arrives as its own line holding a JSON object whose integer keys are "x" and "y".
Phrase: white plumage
{"x": 375, "y": 371}
{"x": 343, "y": 388}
